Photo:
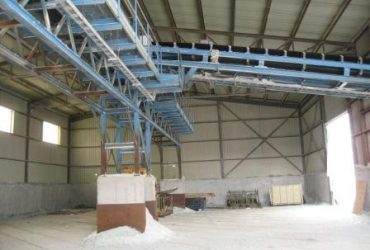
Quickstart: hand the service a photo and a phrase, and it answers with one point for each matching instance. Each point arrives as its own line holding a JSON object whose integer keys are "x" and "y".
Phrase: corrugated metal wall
{"x": 221, "y": 146}
{"x": 47, "y": 162}
{"x": 312, "y": 121}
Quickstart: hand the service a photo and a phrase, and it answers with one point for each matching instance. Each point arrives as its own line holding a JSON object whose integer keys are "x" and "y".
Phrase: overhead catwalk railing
{"x": 103, "y": 48}
{"x": 277, "y": 70}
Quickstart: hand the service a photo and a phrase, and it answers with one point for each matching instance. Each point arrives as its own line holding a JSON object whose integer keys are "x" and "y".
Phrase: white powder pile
{"x": 127, "y": 237}
{"x": 179, "y": 210}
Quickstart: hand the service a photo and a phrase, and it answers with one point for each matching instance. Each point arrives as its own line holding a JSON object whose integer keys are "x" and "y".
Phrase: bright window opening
{"x": 50, "y": 133}
{"x": 6, "y": 119}
{"x": 341, "y": 169}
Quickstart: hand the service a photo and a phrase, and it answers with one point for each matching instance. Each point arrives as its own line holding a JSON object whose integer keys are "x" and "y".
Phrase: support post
{"x": 69, "y": 143}
{"x": 27, "y": 146}
{"x": 103, "y": 158}
{"x": 219, "y": 122}
{"x": 300, "y": 117}
{"x": 117, "y": 152}
{"x": 323, "y": 121}
{"x": 178, "y": 149}
{"x": 160, "y": 148}
{"x": 148, "y": 141}
{"x": 137, "y": 128}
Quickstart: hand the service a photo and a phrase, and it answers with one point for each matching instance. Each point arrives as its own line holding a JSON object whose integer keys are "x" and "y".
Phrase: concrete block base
{"x": 123, "y": 199}
{"x": 178, "y": 200}
{"x": 151, "y": 196}
{"x": 152, "y": 208}
{"x": 121, "y": 202}
{"x": 117, "y": 215}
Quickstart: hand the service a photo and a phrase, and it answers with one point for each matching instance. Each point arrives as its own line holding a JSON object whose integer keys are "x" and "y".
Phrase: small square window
{"x": 50, "y": 133}
{"x": 6, "y": 120}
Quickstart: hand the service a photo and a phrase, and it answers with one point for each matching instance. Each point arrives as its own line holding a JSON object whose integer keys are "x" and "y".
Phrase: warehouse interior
{"x": 105, "y": 105}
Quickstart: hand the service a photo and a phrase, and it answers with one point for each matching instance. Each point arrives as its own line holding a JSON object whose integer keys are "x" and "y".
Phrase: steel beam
{"x": 202, "y": 24}
{"x": 27, "y": 143}
{"x": 172, "y": 19}
{"x": 32, "y": 24}
{"x": 332, "y": 24}
{"x": 264, "y": 22}
{"x": 297, "y": 23}
{"x": 149, "y": 18}
{"x": 252, "y": 35}
{"x": 263, "y": 140}
{"x": 269, "y": 58}
{"x": 220, "y": 136}
{"x": 77, "y": 16}
{"x": 232, "y": 20}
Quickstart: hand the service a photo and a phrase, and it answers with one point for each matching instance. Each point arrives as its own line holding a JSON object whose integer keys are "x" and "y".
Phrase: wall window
{"x": 6, "y": 120}
{"x": 50, "y": 133}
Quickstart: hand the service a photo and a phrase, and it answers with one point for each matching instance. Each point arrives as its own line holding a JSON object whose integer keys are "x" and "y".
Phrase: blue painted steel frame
{"x": 21, "y": 15}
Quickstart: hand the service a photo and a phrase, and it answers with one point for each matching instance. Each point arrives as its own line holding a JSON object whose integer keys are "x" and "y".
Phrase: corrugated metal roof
{"x": 356, "y": 14}
{"x": 247, "y": 19}
{"x": 317, "y": 18}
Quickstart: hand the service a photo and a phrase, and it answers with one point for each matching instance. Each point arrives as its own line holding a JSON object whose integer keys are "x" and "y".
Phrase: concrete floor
{"x": 294, "y": 227}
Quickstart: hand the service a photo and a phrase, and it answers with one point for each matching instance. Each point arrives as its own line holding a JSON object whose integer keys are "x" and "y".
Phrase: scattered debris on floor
{"x": 127, "y": 237}
{"x": 72, "y": 211}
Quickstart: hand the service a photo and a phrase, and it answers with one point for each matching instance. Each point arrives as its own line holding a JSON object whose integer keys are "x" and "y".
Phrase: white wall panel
{"x": 193, "y": 102}
{"x": 35, "y": 129}
{"x": 334, "y": 106}
{"x": 12, "y": 102}
{"x": 48, "y": 116}
{"x": 87, "y": 174}
{"x": 265, "y": 150}
{"x": 234, "y": 130}
{"x": 287, "y": 145}
{"x": 170, "y": 154}
{"x": 315, "y": 162}
{"x": 20, "y": 122}
{"x": 290, "y": 127}
{"x": 202, "y": 170}
{"x": 244, "y": 111}
{"x": 202, "y": 131}
{"x": 41, "y": 173}
{"x": 48, "y": 153}
{"x": 11, "y": 171}
{"x": 196, "y": 151}
{"x": 265, "y": 127}
{"x": 12, "y": 146}
{"x": 204, "y": 113}
{"x": 85, "y": 156}
{"x": 311, "y": 117}
{"x": 313, "y": 140}
{"x": 156, "y": 171}
{"x": 239, "y": 148}
{"x": 262, "y": 167}
{"x": 171, "y": 171}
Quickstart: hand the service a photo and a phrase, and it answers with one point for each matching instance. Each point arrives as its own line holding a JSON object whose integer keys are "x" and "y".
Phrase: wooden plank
{"x": 199, "y": 195}
{"x": 360, "y": 197}
{"x": 55, "y": 69}
{"x": 8, "y": 23}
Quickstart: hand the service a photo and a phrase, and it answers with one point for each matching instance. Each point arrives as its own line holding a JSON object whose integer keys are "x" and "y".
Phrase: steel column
{"x": 69, "y": 145}
{"x": 179, "y": 161}
{"x": 27, "y": 143}
{"x": 221, "y": 148}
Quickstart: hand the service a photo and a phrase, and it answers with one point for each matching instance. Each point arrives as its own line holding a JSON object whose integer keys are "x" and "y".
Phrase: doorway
{"x": 340, "y": 161}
